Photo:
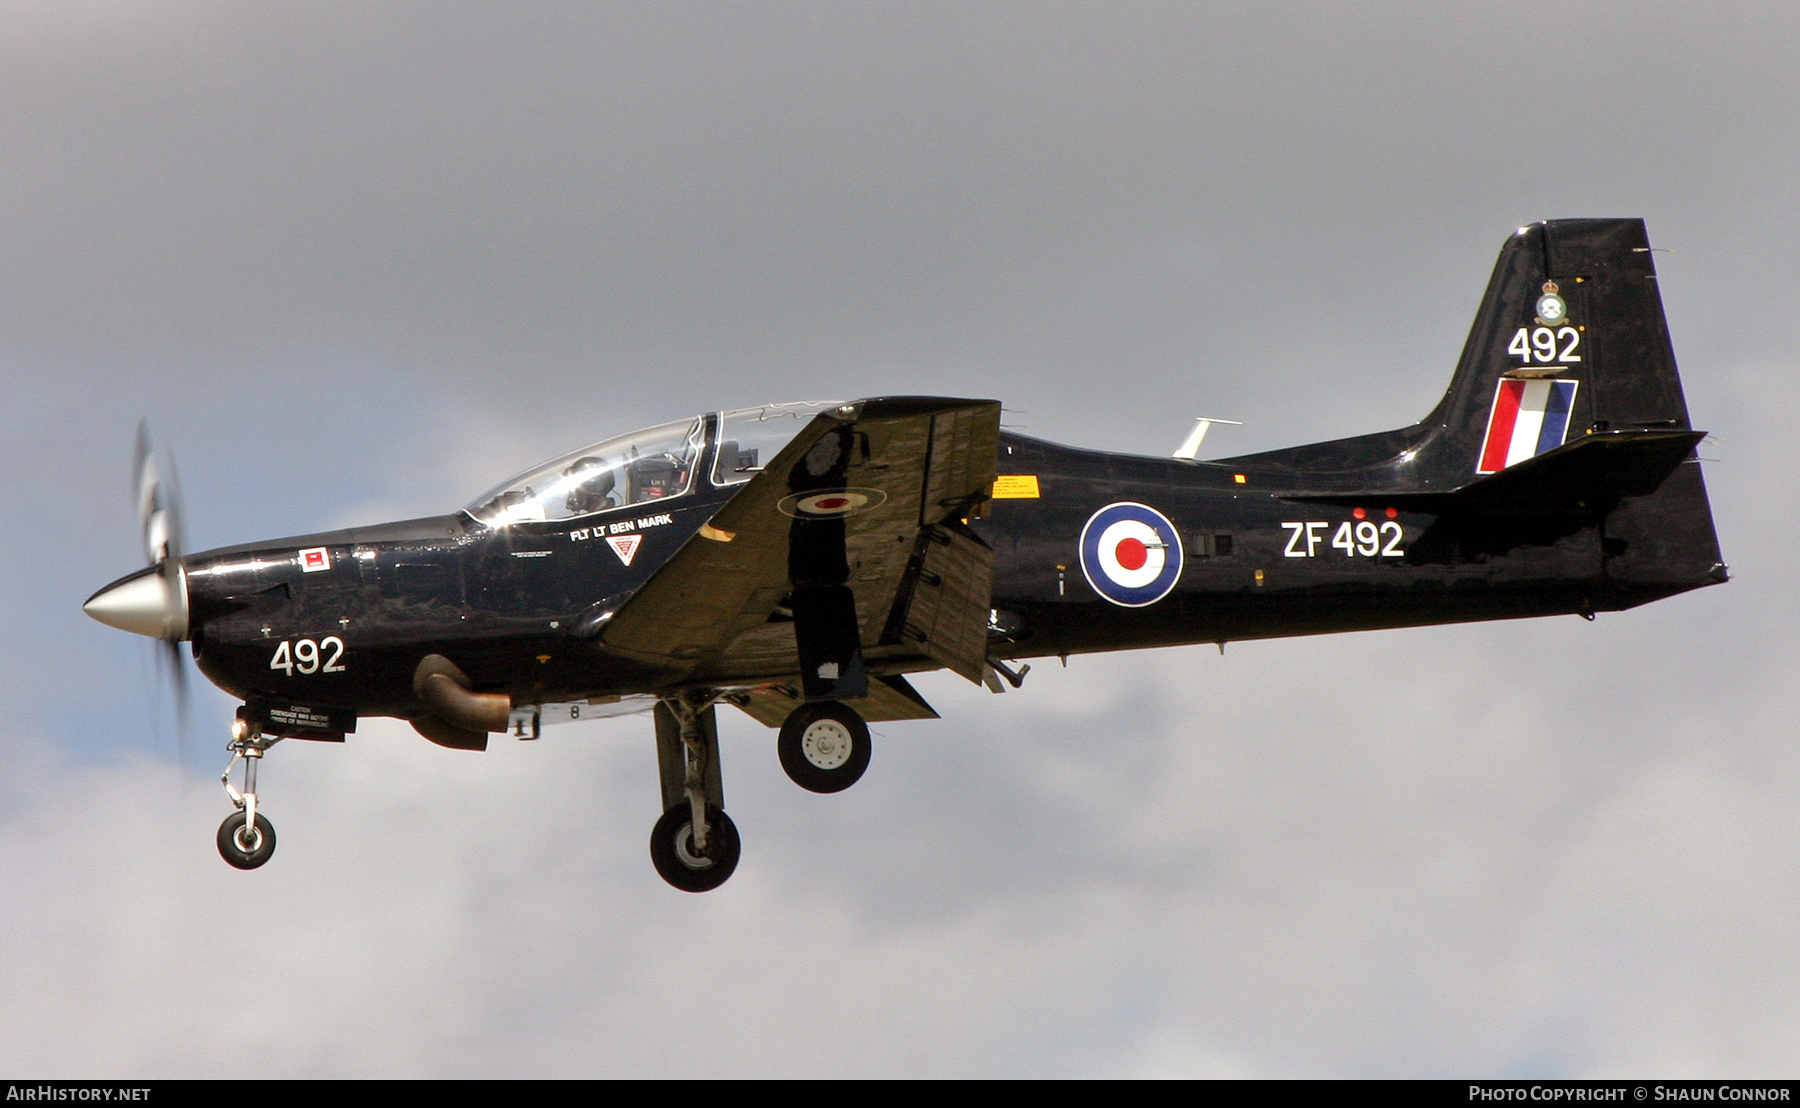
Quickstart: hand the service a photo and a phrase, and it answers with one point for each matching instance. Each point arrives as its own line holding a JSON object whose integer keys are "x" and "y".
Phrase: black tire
{"x": 243, "y": 854}
{"x": 671, "y": 849}
{"x": 824, "y": 747}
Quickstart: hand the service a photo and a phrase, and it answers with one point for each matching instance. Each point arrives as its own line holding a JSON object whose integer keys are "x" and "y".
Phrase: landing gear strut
{"x": 694, "y": 846}
{"x": 824, "y": 747}
{"x": 246, "y": 838}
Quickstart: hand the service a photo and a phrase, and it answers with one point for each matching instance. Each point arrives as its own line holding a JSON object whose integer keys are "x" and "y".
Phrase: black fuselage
{"x": 519, "y": 606}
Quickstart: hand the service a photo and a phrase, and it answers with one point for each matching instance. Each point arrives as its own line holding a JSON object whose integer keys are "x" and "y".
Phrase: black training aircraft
{"x": 799, "y": 560}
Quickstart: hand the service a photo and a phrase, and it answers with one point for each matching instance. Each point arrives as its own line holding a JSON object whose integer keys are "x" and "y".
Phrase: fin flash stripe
{"x": 1528, "y": 418}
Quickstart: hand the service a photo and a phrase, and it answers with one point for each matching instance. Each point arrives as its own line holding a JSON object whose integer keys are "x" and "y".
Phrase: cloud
{"x": 1303, "y": 858}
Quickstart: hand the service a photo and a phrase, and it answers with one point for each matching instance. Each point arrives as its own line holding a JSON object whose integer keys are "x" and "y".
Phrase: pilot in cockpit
{"x": 592, "y": 492}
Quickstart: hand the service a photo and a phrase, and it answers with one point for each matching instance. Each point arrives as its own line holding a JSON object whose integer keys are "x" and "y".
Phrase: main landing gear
{"x": 694, "y": 846}
{"x": 246, "y": 838}
{"x": 824, "y": 747}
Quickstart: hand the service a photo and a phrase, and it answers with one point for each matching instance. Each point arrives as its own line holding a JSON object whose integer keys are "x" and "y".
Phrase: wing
{"x": 716, "y": 612}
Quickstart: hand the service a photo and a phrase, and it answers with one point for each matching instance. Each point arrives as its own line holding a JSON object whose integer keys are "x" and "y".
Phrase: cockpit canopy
{"x": 648, "y": 466}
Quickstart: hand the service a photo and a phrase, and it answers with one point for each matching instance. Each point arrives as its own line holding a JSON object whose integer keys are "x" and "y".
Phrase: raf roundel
{"x": 831, "y": 502}
{"x": 1131, "y": 554}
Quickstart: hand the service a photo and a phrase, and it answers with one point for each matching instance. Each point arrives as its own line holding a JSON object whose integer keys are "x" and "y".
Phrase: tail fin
{"x": 1570, "y": 338}
{"x": 1570, "y": 341}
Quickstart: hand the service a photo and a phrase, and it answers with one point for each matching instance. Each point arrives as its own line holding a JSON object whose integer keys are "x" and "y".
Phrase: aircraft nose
{"x": 144, "y": 603}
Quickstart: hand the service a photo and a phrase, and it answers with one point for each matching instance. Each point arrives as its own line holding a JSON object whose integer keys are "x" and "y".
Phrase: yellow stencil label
{"x": 1016, "y": 486}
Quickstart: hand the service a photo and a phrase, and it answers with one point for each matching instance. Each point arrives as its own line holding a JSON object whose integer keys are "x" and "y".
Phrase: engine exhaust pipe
{"x": 459, "y": 719}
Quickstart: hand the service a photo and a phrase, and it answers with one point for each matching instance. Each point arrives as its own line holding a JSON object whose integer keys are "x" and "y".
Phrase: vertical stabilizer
{"x": 1570, "y": 339}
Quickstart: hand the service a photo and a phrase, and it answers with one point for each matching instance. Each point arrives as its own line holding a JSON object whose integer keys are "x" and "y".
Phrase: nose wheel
{"x": 246, "y": 838}
{"x": 824, "y": 747}
{"x": 244, "y": 846}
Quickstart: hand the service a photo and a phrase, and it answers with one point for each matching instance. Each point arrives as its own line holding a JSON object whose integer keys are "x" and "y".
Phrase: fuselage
{"x": 340, "y": 619}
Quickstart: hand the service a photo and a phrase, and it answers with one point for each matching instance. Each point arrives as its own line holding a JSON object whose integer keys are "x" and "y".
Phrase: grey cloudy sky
{"x": 359, "y": 261}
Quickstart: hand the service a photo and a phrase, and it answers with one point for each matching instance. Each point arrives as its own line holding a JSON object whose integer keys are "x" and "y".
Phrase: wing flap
{"x": 943, "y": 608}
{"x": 964, "y": 446}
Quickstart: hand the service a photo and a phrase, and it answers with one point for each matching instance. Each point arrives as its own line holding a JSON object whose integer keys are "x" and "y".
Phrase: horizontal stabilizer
{"x": 1592, "y": 473}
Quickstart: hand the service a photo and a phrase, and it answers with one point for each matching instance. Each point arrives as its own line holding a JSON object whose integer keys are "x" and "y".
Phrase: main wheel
{"x": 672, "y": 849}
{"x": 824, "y": 747}
{"x": 243, "y": 847}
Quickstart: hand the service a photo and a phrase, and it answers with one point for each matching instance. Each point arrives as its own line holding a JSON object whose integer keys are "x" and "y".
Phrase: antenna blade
{"x": 1190, "y": 446}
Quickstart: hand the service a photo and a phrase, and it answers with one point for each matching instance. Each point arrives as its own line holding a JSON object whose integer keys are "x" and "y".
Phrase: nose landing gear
{"x": 246, "y": 838}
